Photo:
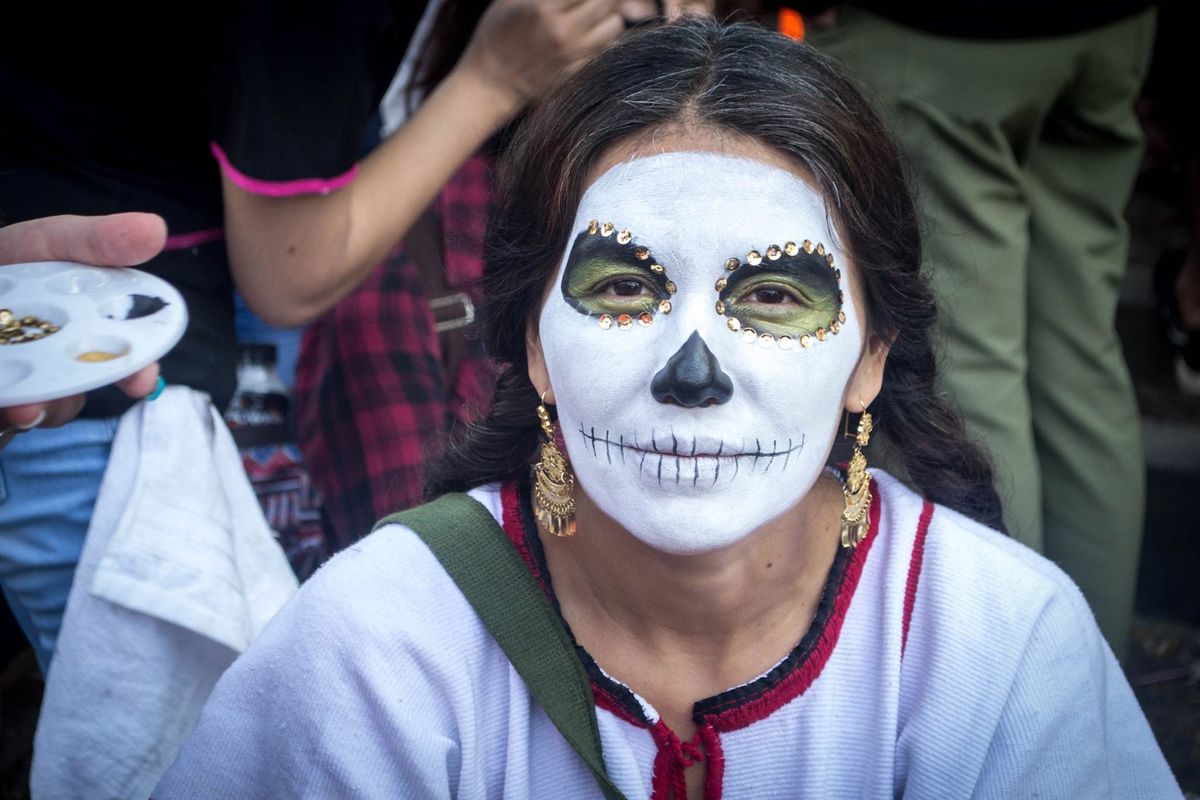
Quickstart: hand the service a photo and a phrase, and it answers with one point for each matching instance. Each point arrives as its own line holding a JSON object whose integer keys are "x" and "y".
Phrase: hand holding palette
{"x": 68, "y": 328}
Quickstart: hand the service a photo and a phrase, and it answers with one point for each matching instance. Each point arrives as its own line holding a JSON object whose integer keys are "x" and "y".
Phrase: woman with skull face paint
{"x": 705, "y": 256}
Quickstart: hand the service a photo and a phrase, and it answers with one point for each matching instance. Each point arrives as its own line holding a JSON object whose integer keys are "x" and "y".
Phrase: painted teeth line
{"x": 784, "y": 342}
{"x": 612, "y": 446}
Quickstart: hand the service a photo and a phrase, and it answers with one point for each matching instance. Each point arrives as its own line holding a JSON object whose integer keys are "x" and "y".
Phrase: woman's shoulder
{"x": 954, "y": 549}
{"x": 391, "y": 579}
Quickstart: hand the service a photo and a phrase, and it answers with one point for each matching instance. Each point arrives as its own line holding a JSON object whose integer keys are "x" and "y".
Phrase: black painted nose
{"x": 692, "y": 377}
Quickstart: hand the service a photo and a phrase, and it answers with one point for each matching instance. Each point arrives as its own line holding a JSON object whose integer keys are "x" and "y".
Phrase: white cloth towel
{"x": 179, "y": 573}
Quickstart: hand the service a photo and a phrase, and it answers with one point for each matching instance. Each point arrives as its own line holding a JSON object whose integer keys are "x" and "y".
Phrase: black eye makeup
{"x": 614, "y": 280}
{"x": 782, "y": 296}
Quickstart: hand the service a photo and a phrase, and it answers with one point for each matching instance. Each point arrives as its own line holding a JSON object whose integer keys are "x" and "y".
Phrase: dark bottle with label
{"x": 258, "y": 412}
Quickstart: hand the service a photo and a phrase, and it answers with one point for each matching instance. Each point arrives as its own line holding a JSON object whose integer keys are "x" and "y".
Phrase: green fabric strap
{"x": 478, "y": 555}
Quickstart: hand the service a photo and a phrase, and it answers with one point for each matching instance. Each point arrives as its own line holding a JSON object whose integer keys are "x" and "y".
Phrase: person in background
{"x": 395, "y": 365}
{"x": 1018, "y": 123}
{"x": 244, "y": 137}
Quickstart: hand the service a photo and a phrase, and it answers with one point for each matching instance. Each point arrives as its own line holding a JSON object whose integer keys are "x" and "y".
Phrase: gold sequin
{"x": 820, "y": 249}
{"x": 786, "y": 343}
{"x": 835, "y": 327}
{"x": 754, "y": 258}
{"x": 806, "y": 341}
{"x": 829, "y": 258}
{"x": 721, "y": 284}
{"x": 671, "y": 288}
{"x": 734, "y": 324}
{"x": 641, "y": 253}
{"x": 624, "y": 321}
{"x": 606, "y": 321}
{"x": 606, "y": 229}
{"x": 732, "y": 263}
{"x": 749, "y": 334}
{"x": 664, "y": 306}
{"x": 842, "y": 316}
{"x": 791, "y": 249}
{"x": 624, "y": 237}
{"x": 658, "y": 268}
{"x": 821, "y": 334}
{"x": 593, "y": 226}
{"x": 720, "y": 306}
{"x": 773, "y": 252}
{"x": 807, "y": 245}
{"x": 645, "y": 318}
{"x": 766, "y": 340}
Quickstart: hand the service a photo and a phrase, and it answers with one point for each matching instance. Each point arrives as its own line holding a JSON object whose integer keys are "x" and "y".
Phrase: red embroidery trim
{"x": 714, "y": 778}
{"x": 609, "y": 703}
{"x": 795, "y": 684}
{"x": 510, "y": 520}
{"x": 914, "y": 571}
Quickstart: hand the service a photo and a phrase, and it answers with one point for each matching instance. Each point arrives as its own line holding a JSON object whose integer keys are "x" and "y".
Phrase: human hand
{"x": 116, "y": 240}
{"x": 520, "y": 47}
{"x": 638, "y": 10}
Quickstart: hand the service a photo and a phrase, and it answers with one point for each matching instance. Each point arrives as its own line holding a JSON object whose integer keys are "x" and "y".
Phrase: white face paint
{"x": 686, "y": 432}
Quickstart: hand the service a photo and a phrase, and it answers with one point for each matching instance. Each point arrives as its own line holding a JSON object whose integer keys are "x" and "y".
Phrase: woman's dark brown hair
{"x": 745, "y": 80}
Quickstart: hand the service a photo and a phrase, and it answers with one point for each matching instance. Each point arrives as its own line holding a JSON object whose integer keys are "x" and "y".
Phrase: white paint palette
{"x": 112, "y": 322}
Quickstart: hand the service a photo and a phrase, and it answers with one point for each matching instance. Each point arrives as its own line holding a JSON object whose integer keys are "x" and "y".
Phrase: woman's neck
{"x": 722, "y": 618}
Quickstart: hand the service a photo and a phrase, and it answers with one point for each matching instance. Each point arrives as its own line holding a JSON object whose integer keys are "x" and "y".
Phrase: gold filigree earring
{"x": 553, "y": 482}
{"x": 857, "y": 488}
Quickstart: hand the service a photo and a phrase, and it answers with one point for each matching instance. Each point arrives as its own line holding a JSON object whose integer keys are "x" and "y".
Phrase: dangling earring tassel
{"x": 553, "y": 482}
{"x": 857, "y": 489}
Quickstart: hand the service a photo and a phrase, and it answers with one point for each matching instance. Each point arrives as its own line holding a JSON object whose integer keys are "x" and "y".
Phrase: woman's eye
{"x": 626, "y": 287}
{"x": 771, "y": 296}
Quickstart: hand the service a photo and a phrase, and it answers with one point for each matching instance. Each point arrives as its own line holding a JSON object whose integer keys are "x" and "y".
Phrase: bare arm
{"x": 294, "y": 257}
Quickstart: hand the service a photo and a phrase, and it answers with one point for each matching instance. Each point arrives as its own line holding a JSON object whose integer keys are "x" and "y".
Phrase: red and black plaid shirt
{"x": 373, "y": 399}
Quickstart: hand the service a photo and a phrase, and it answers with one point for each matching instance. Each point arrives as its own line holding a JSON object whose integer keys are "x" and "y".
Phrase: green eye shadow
{"x": 597, "y": 262}
{"x": 808, "y": 283}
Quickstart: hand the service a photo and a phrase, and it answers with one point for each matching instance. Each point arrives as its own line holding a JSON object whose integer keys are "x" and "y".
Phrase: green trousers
{"x": 1023, "y": 155}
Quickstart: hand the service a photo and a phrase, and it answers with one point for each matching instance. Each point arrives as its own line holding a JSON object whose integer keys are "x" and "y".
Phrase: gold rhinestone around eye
{"x": 624, "y": 321}
{"x": 671, "y": 287}
{"x": 641, "y": 253}
{"x": 624, "y": 237}
{"x": 606, "y": 229}
{"x": 806, "y": 341}
{"x": 766, "y": 340}
{"x": 807, "y": 245}
{"x": 754, "y": 258}
{"x": 720, "y": 306}
{"x": 664, "y": 306}
{"x": 841, "y": 297}
{"x": 593, "y": 227}
{"x": 786, "y": 343}
{"x": 732, "y": 263}
{"x": 749, "y": 334}
{"x": 721, "y": 284}
{"x": 829, "y": 258}
{"x": 645, "y": 318}
{"x": 834, "y": 327}
{"x": 791, "y": 249}
{"x": 842, "y": 317}
{"x": 820, "y": 249}
{"x": 658, "y": 268}
{"x": 605, "y": 321}
{"x": 837, "y": 274}
{"x": 734, "y": 324}
{"x": 773, "y": 252}
{"x": 821, "y": 333}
